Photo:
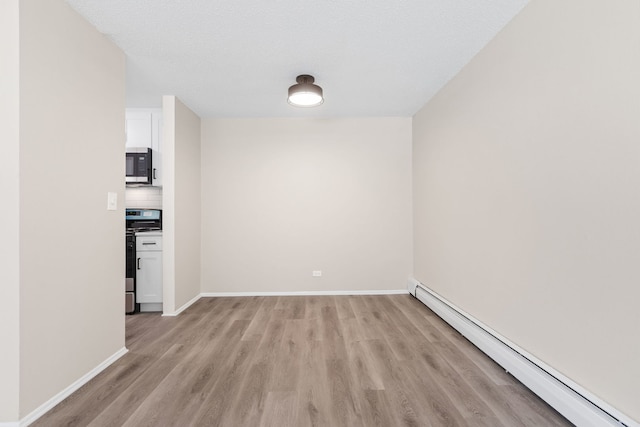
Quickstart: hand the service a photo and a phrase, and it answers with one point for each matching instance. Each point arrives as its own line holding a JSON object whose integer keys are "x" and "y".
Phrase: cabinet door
{"x": 149, "y": 277}
{"x": 139, "y": 129}
{"x": 156, "y": 146}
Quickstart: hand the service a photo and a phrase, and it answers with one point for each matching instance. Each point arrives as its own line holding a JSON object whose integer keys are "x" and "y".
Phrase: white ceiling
{"x": 237, "y": 58}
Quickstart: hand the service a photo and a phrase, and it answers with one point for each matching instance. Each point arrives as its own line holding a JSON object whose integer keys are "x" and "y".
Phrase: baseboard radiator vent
{"x": 569, "y": 399}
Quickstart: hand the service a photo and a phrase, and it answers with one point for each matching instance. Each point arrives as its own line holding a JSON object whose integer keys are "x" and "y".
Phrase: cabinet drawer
{"x": 148, "y": 243}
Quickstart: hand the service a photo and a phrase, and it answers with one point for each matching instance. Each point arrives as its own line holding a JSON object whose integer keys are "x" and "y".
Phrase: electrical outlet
{"x": 316, "y": 273}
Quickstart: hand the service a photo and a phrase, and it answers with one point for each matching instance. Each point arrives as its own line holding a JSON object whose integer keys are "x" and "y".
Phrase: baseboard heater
{"x": 569, "y": 399}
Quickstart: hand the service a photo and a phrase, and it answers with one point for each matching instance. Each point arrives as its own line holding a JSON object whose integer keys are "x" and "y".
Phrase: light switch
{"x": 112, "y": 201}
{"x": 316, "y": 273}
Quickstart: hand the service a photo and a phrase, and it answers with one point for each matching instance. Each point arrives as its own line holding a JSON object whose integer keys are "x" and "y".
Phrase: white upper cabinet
{"x": 139, "y": 128}
{"x": 156, "y": 147}
{"x": 144, "y": 129}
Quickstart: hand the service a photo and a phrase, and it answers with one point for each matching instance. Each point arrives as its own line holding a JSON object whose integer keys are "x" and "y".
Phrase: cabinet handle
{"x": 138, "y": 264}
{"x": 154, "y": 173}
{"x": 148, "y": 243}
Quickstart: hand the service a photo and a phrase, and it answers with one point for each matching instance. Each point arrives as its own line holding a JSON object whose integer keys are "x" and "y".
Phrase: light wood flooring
{"x": 301, "y": 361}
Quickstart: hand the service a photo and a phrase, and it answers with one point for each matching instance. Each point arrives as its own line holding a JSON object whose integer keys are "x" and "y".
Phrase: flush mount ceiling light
{"x": 305, "y": 93}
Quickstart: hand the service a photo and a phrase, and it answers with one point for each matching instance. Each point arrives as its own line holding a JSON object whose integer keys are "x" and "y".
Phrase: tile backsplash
{"x": 143, "y": 197}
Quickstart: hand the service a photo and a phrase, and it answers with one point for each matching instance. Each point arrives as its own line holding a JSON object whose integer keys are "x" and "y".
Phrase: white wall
{"x": 71, "y": 155}
{"x": 284, "y": 197}
{"x": 526, "y": 191}
{"x": 181, "y": 200}
{"x": 9, "y": 212}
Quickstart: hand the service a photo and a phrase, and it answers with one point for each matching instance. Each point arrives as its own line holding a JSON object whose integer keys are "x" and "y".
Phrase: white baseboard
{"x": 302, "y": 293}
{"x": 49, "y": 404}
{"x": 184, "y": 307}
{"x": 572, "y": 401}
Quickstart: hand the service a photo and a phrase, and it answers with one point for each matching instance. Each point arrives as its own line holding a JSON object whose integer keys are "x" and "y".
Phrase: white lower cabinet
{"x": 149, "y": 271}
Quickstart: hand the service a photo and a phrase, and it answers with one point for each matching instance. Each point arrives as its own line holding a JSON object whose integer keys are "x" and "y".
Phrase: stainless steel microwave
{"x": 139, "y": 166}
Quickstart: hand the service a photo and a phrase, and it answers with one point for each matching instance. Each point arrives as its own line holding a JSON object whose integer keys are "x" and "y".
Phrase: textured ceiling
{"x": 237, "y": 58}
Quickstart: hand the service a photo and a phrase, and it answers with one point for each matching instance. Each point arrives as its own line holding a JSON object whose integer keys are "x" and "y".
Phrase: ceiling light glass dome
{"x": 305, "y": 93}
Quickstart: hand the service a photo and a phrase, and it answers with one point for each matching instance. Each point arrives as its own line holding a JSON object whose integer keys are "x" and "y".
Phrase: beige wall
{"x": 71, "y": 155}
{"x": 526, "y": 191}
{"x": 284, "y": 197}
{"x": 9, "y": 212}
{"x": 181, "y": 201}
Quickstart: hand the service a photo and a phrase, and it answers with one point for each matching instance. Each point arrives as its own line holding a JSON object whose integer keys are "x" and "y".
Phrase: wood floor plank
{"x": 287, "y": 363}
{"x": 344, "y": 309}
{"x": 186, "y": 380}
{"x": 535, "y": 410}
{"x": 332, "y": 335}
{"x": 224, "y": 390}
{"x": 260, "y": 318}
{"x": 367, "y": 325}
{"x": 312, "y": 329}
{"x": 470, "y": 405}
{"x": 363, "y": 371}
{"x": 441, "y": 410}
{"x": 314, "y": 403}
{"x": 440, "y": 331}
{"x": 345, "y": 406}
{"x": 351, "y": 331}
{"x": 314, "y": 304}
{"x": 502, "y": 405}
{"x": 428, "y": 359}
{"x": 280, "y": 409}
{"x": 120, "y": 377}
{"x": 247, "y": 410}
{"x": 406, "y": 412}
{"x": 301, "y": 361}
{"x": 118, "y": 411}
{"x": 375, "y": 408}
